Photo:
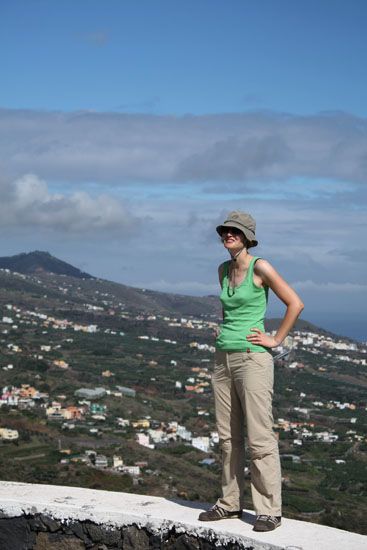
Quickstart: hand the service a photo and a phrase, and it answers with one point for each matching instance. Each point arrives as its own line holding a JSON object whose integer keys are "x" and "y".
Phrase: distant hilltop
{"x": 40, "y": 262}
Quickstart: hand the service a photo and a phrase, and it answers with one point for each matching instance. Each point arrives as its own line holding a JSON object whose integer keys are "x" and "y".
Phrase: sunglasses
{"x": 232, "y": 230}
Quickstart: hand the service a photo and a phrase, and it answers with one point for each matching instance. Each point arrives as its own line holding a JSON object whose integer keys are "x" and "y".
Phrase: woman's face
{"x": 233, "y": 239}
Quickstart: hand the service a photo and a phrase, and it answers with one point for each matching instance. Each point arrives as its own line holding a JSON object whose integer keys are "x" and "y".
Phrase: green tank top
{"x": 244, "y": 308}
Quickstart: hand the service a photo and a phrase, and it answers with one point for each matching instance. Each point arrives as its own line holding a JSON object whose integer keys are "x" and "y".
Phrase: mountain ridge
{"x": 44, "y": 265}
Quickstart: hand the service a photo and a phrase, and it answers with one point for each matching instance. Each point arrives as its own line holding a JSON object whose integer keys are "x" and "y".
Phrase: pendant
{"x": 233, "y": 291}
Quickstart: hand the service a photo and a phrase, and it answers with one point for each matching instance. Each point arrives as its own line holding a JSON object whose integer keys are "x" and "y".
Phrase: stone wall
{"x": 50, "y": 517}
{"x": 40, "y": 532}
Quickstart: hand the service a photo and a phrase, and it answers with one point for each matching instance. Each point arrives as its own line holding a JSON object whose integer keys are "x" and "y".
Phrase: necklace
{"x": 231, "y": 290}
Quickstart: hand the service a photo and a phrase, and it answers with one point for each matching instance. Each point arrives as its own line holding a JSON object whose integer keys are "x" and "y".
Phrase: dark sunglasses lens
{"x": 232, "y": 230}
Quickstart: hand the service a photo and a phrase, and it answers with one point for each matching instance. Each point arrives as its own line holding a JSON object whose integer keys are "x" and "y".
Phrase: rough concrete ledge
{"x": 49, "y": 517}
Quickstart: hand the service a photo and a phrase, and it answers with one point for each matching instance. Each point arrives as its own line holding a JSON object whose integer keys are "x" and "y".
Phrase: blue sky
{"x": 177, "y": 57}
{"x": 128, "y": 129}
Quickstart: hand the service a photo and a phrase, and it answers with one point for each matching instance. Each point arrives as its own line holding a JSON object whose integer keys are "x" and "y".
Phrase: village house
{"x": 101, "y": 461}
{"x": 144, "y": 440}
{"x": 8, "y": 435}
{"x": 61, "y": 364}
{"x": 202, "y": 443}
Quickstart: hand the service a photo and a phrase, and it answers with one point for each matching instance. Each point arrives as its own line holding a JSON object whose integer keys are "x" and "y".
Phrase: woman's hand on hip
{"x": 260, "y": 338}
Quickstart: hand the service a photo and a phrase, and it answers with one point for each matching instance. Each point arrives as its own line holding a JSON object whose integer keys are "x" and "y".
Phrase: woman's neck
{"x": 239, "y": 257}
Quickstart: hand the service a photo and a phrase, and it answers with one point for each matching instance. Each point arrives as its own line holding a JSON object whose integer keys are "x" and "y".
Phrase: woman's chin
{"x": 231, "y": 248}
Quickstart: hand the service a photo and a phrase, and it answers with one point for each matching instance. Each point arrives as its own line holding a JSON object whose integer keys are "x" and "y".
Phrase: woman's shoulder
{"x": 260, "y": 264}
{"x": 264, "y": 269}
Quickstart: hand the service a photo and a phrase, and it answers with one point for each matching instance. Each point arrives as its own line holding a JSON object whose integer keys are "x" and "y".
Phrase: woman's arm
{"x": 271, "y": 278}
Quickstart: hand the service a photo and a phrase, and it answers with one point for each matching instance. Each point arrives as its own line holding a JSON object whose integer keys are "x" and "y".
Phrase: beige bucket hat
{"x": 242, "y": 221}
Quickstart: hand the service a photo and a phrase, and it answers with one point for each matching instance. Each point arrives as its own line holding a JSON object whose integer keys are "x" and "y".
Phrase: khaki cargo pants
{"x": 243, "y": 390}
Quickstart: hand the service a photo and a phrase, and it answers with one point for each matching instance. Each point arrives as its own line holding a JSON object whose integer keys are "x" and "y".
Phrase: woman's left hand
{"x": 261, "y": 339}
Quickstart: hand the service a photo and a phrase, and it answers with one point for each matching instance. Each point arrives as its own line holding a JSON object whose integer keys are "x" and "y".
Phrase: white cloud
{"x": 27, "y": 202}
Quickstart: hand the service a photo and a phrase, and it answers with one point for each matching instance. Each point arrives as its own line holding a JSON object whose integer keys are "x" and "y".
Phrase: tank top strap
{"x": 225, "y": 273}
{"x": 251, "y": 267}
{"x": 225, "y": 268}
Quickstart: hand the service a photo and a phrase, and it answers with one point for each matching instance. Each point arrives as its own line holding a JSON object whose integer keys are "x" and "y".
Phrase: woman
{"x": 243, "y": 376}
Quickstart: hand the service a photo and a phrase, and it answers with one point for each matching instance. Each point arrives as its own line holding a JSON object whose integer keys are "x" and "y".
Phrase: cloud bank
{"x": 118, "y": 148}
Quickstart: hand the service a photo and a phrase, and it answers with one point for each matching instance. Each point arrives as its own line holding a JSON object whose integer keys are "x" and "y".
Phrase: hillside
{"x": 54, "y": 272}
{"x": 40, "y": 262}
